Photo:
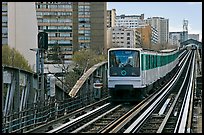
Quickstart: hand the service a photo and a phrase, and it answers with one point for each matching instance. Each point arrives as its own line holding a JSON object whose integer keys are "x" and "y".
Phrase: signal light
{"x": 43, "y": 40}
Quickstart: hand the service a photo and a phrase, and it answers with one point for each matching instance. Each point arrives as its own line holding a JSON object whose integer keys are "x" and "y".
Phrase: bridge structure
{"x": 192, "y": 42}
{"x": 25, "y": 106}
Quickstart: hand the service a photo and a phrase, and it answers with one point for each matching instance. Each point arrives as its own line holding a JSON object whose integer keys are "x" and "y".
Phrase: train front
{"x": 124, "y": 77}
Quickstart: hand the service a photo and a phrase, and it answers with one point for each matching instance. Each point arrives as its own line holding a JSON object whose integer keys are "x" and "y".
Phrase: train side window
{"x": 161, "y": 60}
{"x": 142, "y": 61}
{"x": 156, "y": 60}
{"x": 149, "y": 62}
{"x": 152, "y": 59}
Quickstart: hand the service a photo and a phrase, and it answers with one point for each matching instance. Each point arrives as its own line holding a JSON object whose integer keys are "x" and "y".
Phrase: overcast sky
{"x": 176, "y": 12}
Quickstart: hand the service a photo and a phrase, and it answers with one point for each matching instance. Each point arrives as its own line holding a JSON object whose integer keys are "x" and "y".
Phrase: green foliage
{"x": 87, "y": 58}
{"x": 83, "y": 59}
{"x": 71, "y": 78}
{"x": 12, "y": 57}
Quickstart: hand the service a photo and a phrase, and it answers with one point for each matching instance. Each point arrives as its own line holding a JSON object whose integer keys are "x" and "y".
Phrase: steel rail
{"x": 45, "y": 127}
{"x": 160, "y": 129}
{"x": 186, "y": 103}
{"x": 78, "y": 119}
{"x": 138, "y": 122}
{"x": 94, "y": 120}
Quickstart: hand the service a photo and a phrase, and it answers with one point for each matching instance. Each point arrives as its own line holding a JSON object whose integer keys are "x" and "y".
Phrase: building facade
{"x": 124, "y": 37}
{"x": 56, "y": 19}
{"x": 175, "y": 38}
{"x": 111, "y": 18}
{"x": 4, "y": 23}
{"x": 149, "y": 35}
{"x": 162, "y": 26}
{"x": 130, "y": 21}
{"x": 72, "y": 26}
{"x": 22, "y": 29}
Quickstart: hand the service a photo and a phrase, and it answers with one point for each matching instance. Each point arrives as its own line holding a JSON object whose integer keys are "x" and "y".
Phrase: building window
{"x": 57, "y": 34}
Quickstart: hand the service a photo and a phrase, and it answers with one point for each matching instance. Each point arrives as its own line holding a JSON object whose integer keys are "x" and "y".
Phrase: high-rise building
{"x": 175, "y": 38}
{"x": 124, "y": 37}
{"x": 55, "y": 18}
{"x": 72, "y": 26}
{"x": 162, "y": 25}
{"x": 111, "y": 18}
{"x": 22, "y": 29}
{"x": 4, "y": 23}
{"x": 89, "y": 25}
{"x": 149, "y": 36}
{"x": 130, "y": 21}
{"x": 185, "y": 30}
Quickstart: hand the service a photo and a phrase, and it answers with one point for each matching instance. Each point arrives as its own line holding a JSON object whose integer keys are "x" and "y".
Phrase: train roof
{"x": 145, "y": 50}
{"x": 168, "y": 50}
{"x": 125, "y": 49}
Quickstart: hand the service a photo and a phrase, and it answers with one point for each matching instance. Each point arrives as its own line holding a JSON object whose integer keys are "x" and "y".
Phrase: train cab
{"x": 124, "y": 71}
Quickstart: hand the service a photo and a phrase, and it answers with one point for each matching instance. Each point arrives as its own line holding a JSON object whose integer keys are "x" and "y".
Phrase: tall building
{"x": 175, "y": 38}
{"x": 130, "y": 21}
{"x": 55, "y": 18}
{"x": 72, "y": 26}
{"x": 22, "y": 29}
{"x": 111, "y": 18}
{"x": 149, "y": 36}
{"x": 124, "y": 37}
{"x": 185, "y": 30}
{"x": 162, "y": 25}
{"x": 4, "y": 23}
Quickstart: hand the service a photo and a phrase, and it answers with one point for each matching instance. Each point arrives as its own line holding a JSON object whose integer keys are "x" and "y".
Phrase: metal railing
{"x": 21, "y": 109}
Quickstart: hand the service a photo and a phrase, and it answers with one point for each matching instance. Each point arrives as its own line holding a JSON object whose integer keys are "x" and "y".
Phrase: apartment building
{"x": 22, "y": 29}
{"x": 162, "y": 26}
{"x": 123, "y": 37}
{"x": 72, "y": 26}
{"x": 175, "y": 38}
{"x": 111, "y": 18}
{"x": 149, "y": 36}
{"x": 55, "y": 19}
{"x": 4, "y": 23}
{"x": 130, "y": 21}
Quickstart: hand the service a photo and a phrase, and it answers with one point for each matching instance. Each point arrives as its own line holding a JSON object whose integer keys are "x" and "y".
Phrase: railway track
{"x": 170, "y": 114}
{"x": 165, "y": 118}
{"x": 68, "y": 117}
{"x": 95, "y": 120}
{"x": 100, "y": 123}
{"x": 162, "y": 112}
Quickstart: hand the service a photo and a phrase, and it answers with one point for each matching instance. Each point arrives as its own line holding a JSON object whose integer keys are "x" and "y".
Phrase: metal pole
{"x": 42, "y": 69}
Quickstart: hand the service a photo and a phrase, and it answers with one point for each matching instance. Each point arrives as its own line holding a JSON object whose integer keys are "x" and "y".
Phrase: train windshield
{"x": 124, "y": 63}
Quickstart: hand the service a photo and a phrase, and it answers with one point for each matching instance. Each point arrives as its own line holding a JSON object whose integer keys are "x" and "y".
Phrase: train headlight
{"x": 133, "y": 73}
{"x": 114, "y": 73}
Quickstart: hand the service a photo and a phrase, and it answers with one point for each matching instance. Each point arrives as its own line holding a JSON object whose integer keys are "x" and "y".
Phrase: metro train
{"x": 133, "y": 72}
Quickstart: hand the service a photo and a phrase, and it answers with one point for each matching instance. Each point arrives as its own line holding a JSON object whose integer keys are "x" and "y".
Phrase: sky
{"x": 176, "y": 12}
